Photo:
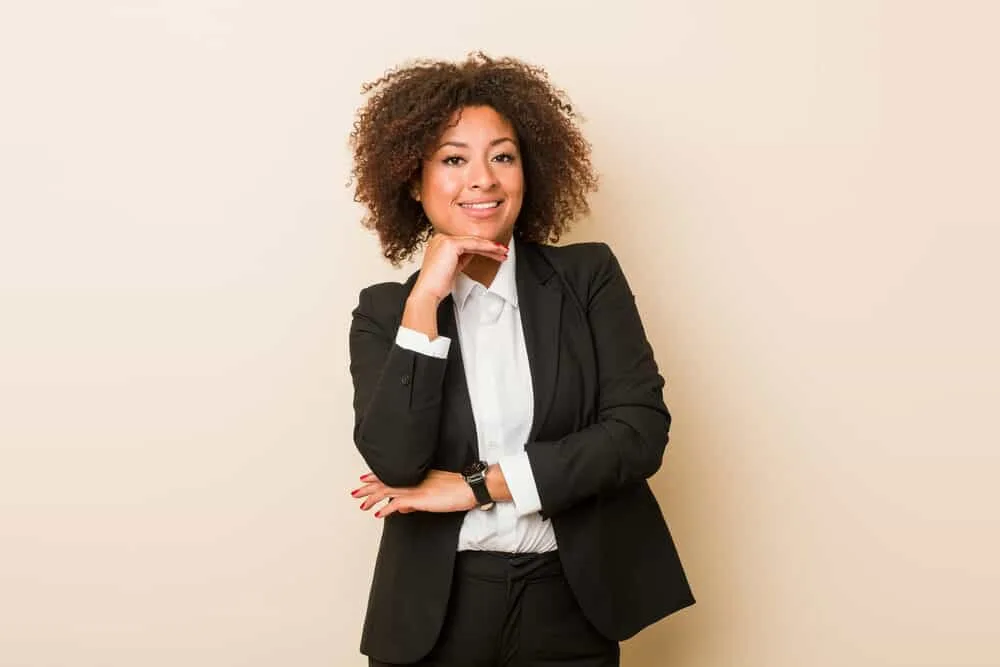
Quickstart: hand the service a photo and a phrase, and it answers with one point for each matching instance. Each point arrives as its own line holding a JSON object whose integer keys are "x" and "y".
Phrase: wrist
{"x": 496, "y": 483}
{"x": 421, "y": 299}
{"x": 420, "y": 314}
{"x": 475, "y": 477}
{"x": 470, "y": 496}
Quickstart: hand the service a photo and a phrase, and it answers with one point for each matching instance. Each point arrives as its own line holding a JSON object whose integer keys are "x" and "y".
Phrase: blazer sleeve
{"x": 626, "y": 443}
{"x": 397, "y": 395}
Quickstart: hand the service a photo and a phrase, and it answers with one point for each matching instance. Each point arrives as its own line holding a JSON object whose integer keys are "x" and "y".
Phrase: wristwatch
{"x": 475, "y": 476}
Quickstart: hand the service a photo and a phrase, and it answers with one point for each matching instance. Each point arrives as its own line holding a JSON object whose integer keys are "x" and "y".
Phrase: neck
{"x": 482, "y": 269}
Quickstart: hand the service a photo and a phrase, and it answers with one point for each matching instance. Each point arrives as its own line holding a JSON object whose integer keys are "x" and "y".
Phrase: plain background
{"x": 803, "y": 194}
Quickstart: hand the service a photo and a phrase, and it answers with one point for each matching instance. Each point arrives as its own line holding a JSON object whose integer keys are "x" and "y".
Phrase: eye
{"x": 504, "y": 157}
{"x": 453, "y": 160}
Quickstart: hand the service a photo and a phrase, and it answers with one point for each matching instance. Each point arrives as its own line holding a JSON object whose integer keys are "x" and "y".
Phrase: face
{"x": 472, "y": 183}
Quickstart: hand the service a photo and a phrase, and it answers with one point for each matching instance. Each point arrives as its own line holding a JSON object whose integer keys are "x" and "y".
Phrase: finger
{"x": 377, "y": 497}
{"x": 395, "y": 505}
{"x": 496, "y": 257}
{"x": 367, "y": 490}
{"x": 484, "y": 246}
{"x": 369, "y": 477}
{"x": 478, "y": 245}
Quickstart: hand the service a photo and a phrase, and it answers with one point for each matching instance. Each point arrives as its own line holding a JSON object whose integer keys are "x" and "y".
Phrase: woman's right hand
{"x": 444, "y": 257}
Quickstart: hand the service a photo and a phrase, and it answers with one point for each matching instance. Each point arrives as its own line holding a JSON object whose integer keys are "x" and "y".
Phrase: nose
{"x": 481, "y": 176}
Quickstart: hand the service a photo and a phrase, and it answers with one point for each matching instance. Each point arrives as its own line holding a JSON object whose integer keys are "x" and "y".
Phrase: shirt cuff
{"x": 415, "y": 341}
{"x": 521, "y": 483}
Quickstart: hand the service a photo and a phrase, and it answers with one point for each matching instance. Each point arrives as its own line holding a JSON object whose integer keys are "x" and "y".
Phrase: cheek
{"x": 442, "y": 187}
{"x": 513, "y": 183}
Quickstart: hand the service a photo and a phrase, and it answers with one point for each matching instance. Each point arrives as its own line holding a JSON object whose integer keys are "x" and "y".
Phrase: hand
{"x": 445, "y": 256}
{"x": 440, "y": 491}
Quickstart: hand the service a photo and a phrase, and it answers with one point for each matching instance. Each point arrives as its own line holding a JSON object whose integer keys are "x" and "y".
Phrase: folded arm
{"x": 397, "y": 399}
{"x": 627, "y": 443}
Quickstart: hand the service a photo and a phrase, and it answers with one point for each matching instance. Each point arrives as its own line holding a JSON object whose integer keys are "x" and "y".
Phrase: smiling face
{"x": 472, "y": 183}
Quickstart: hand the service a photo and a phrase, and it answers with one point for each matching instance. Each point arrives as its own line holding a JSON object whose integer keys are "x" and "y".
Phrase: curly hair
{"x": 410, "y": 107}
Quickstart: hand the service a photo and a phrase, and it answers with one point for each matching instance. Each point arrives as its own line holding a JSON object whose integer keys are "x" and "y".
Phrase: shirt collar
{"x": 504, "y": 284}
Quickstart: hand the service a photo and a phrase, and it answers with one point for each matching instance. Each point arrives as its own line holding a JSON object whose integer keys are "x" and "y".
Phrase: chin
{"x": 499, "y": 235}
{"x": 493, "y": 231}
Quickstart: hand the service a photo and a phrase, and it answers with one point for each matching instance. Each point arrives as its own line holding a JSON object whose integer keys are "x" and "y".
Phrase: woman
{"x": 519, "y": 527}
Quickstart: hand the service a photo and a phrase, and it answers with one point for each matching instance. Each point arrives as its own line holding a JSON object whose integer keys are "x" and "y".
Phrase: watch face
{"x": 477, "y": 467}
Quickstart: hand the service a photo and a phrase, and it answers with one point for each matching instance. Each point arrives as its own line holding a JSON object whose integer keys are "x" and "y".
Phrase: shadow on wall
{"x": 686, "y": 638}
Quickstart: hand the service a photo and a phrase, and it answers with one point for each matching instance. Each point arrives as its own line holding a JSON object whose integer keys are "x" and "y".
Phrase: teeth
{"x": 489, "y": 204}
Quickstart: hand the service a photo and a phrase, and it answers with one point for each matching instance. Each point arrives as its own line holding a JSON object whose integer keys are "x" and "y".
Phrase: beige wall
{"x": 803, "y": 193}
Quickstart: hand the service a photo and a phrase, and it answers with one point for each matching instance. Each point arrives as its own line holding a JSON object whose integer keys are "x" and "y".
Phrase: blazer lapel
{"x": 540, "y": 303}
{"x": 456, "y": 389}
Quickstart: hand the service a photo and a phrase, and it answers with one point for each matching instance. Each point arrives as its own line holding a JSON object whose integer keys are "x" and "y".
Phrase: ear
{"x": 415, "y": 189}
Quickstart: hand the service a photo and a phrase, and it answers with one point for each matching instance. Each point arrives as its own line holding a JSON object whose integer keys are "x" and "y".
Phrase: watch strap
{"x": 479, "y": 490}
{"x": 475, "y": 477}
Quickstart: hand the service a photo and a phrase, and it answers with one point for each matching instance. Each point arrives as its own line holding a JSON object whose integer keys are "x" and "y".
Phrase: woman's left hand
{"x": 440, "y": 491}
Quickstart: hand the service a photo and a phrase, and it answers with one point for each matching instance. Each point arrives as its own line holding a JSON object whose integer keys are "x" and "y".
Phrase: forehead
{"x": 477, "y": 122}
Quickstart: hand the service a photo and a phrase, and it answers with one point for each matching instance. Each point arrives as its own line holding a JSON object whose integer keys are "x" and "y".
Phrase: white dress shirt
{"x": 496, "y": 370}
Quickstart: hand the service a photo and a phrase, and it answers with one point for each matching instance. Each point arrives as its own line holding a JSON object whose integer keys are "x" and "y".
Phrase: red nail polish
{"x": 362, "y": 505}
{"x": 355, "y": 492}
{"x": 378, "y": 515}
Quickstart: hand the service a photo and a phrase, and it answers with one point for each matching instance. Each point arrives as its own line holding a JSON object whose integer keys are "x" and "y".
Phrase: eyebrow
{"x": 460, "y": 144}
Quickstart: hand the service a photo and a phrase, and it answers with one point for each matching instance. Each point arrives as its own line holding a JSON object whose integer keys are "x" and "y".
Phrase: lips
{"x": 481, "y": 205}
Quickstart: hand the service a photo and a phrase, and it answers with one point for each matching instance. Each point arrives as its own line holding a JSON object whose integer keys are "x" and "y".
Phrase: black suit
{"x": 600, "y": 428}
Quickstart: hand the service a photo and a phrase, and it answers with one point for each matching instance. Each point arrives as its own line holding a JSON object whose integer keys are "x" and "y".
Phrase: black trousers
{"x": 515, "y": 610}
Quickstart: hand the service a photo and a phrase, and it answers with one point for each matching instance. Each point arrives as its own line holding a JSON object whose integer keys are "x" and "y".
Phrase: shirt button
{"x": 405, "y": 379}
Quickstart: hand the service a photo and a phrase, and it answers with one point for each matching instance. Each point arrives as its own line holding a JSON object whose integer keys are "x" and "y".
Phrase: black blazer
{"x": 600, "y": 429}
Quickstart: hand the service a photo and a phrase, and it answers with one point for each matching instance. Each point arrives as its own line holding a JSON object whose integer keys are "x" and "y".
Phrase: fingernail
{"x": 378, "y": 515}
{"x": 362, "y": 505}
{"x": 355, "y": 492}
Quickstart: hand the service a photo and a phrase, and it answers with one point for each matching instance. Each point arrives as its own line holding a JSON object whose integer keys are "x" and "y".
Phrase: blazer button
{"x": 405, "y": 379}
